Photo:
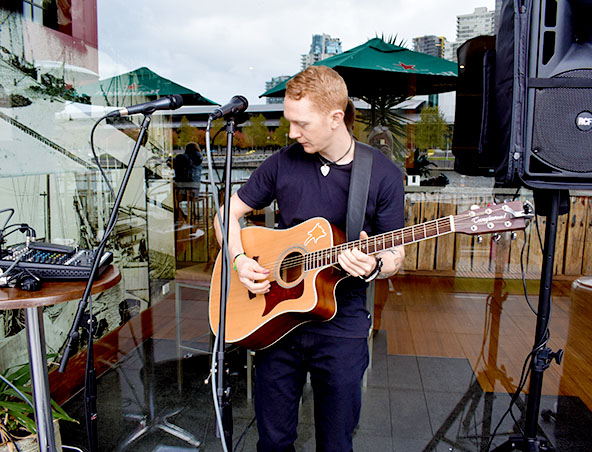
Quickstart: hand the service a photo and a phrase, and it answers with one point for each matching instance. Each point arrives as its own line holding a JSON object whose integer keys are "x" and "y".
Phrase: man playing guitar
{"x": 311, "y": 179}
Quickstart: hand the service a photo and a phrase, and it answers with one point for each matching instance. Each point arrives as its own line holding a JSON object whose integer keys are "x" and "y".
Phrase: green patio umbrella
{"x": 377, "y": 68}
{"x": 141, "y": 82}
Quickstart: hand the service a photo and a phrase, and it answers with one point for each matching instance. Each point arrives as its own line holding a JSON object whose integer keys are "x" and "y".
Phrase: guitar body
{"x": 296, "y": 295}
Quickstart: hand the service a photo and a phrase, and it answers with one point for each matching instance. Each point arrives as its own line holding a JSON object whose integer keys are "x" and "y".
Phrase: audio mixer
{"x": 51, "y": 261}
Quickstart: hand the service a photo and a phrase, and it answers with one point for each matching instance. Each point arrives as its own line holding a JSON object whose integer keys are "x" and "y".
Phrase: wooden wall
{"x": 466, "y": 255}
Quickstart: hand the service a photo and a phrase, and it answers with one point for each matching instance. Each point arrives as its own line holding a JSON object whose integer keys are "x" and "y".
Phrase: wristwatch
{"x": 375, "y": 272}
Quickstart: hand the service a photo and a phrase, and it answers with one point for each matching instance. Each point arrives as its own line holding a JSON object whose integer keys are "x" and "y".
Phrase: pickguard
{"x": 277, "y": 294}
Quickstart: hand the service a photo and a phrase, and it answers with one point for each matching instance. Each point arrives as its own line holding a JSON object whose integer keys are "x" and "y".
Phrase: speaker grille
{"x": 556, "y": 139}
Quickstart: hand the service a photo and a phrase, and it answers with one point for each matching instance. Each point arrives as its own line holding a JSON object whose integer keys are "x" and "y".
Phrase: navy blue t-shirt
{"x": 293, "y": 178}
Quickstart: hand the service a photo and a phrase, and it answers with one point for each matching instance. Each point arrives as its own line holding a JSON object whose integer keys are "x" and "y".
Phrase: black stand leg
{"x": 224, "y": 396}
{"x": 542, "y": 355}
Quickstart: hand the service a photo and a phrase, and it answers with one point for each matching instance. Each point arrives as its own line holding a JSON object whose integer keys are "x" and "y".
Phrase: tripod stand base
{"x": 525, "y": 445}
{"x": 158, "y": 423}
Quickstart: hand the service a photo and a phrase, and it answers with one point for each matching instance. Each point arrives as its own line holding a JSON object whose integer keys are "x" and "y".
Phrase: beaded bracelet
{"x": 234, "y": 260}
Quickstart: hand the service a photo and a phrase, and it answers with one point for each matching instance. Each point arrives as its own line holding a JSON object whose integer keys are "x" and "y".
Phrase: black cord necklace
{"x": 326, "y": 163}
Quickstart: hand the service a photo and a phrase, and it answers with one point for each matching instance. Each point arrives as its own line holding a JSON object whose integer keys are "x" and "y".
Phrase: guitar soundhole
{"x": 291, "y": 268}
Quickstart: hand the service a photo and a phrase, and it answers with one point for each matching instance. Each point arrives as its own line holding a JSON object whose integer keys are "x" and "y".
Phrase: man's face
{"x": 311, "y": 128}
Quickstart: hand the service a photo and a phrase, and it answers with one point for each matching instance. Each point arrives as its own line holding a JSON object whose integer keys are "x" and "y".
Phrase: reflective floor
{"x": 154, "y": 401}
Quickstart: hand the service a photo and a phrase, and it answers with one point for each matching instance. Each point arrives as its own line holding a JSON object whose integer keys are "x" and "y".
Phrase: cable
{"x": 92, "y": 148}
{"x": 526, "y": 367}
{"x": 524, "y": 276}
{"x": 73, "y": 448}
{"x": 10, "y": 215}
{"x": 244, "y": 434}
{"x": 21, "y": 395}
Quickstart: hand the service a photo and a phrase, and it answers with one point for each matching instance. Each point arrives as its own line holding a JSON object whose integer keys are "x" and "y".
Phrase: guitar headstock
{"x": 508, "y": 216}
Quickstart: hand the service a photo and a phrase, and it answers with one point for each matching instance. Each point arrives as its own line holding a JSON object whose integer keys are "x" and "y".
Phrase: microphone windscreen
{"x": 176, "y": 101}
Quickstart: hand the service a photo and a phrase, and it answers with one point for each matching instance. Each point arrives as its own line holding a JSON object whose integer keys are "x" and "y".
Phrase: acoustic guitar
{"x": 304, "y": 269}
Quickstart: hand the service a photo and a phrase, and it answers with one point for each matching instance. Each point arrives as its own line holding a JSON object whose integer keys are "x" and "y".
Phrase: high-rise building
{"x": 323, "y": 46}
{"x": 480, "y": 22}
{"x": 450, "y": 50}
{"x": 271, "y": 84}
{"x": 432, "y": 45}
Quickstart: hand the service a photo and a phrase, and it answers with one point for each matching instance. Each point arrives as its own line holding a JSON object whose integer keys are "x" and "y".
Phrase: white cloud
{"x": 234, "y": 47}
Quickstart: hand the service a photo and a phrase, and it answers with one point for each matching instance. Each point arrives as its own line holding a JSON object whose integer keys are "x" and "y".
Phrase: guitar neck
{"x": 381, "y": 242}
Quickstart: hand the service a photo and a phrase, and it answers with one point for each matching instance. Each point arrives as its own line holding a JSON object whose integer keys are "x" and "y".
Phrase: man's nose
{"x": 294, "y": 132}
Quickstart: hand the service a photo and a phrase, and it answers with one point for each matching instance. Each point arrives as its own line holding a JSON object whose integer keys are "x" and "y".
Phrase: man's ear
{"x": 336, "y": 117}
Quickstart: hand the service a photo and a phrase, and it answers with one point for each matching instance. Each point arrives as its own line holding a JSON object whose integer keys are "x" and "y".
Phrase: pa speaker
{"x": 558, "y": 96}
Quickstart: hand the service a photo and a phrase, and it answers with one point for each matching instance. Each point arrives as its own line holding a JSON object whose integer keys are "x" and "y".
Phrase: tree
{"x": 218, "y": 132}
{"x": 431, "y": 130}
{"x": 240, "y": 141}
{"x": 257, "y": 133}
{"x": 281, "y": 135}
{"x": 184, "y": 133}
{"x": 187, "y": 134}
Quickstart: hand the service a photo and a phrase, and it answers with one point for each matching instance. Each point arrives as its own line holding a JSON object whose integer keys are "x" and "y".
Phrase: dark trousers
{"x": 336, "y": 366}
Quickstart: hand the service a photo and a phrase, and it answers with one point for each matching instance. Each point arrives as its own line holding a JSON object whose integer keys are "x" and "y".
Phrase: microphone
{"x": 237, "y": 105}
{"x": 164, "y": 103}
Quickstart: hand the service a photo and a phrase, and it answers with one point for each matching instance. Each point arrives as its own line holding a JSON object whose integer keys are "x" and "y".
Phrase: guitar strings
{"x": 331, "y": 253}
{"x": 321, "y": 256}
{"x": 328, "y": 256}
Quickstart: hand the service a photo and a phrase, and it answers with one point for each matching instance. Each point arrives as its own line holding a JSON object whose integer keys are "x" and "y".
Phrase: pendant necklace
{"x": 326, "y": 166}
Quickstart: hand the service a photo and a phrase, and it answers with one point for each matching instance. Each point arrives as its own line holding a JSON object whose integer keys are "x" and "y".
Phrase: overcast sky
{"x": 223, "y": 48}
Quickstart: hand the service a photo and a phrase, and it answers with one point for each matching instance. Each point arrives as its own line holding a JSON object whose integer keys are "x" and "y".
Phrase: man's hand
{"x": 252, "y": 275}
{"x": 355, "y": 262}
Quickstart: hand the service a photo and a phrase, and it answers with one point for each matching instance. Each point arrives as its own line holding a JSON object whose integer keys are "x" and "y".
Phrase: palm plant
{"x": 381, "y": 111}
{"x": 16, "y": 404}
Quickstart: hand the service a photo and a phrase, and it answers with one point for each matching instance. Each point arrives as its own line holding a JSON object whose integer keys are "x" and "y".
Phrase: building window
{"x": 33, "y": 10}
{"x": 54, "y": 14}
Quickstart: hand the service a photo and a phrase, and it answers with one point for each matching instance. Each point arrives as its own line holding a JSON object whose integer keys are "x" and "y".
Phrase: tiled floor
{"x": 410, "y": 404}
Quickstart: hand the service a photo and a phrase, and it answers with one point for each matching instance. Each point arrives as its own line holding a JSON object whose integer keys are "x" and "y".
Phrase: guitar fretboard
{"x": 381, "y": 242}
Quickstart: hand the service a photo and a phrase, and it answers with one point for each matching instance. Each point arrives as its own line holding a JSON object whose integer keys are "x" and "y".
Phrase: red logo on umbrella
{"x": 407, "y": 67}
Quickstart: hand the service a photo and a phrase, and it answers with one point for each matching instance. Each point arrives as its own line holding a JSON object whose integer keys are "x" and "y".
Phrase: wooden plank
{"x": 587, "y": 257}
{"x": 482, "y": 251}
{"x": 445, "y": 243}
{"x": 535, "y": 251}
{"x": 426, "y": 250}
{"x": 463, "y": 242}
{"x": 516, "y": 246}
{"x": 412, "y": 217}
{"x": 560, "y": 244}
{"x": 574, "y": 251}
{"x": 500, "y": 255}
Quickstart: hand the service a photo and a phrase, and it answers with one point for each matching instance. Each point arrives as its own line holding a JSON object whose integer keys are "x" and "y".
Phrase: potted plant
{"x": 17, "y": 422}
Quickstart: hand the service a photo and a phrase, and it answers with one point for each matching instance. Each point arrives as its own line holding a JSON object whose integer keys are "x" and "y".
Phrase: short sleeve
{"x": 260, "y": 190}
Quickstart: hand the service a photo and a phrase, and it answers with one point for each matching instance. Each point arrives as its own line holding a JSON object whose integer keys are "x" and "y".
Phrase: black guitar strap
{"x": 359, "y": 185}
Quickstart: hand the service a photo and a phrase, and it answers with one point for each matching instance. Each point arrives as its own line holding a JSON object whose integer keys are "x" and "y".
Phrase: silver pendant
{"x": 325, "y": 169}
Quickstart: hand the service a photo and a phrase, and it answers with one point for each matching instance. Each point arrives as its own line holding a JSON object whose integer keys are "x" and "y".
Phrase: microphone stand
{"x": 224, "y": 399}
{"x": 90, "y": 397}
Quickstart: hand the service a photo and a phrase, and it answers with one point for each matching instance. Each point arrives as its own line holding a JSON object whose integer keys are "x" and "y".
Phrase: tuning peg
{"x": 496, "y": 237}
{"x": 475, "y": 207}
{"x": 479, "y": 239}
{"x": 513, "y": 236}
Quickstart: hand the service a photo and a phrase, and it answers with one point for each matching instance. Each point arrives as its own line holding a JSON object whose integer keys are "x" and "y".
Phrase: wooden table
{"x": 51, "y": 293}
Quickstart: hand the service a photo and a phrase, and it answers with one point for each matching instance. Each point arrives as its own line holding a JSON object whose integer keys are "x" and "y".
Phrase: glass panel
{"x": 64, "y": 66}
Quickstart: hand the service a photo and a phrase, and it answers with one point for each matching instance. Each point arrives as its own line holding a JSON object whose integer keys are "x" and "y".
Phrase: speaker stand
{"x": 542, "y": 355}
